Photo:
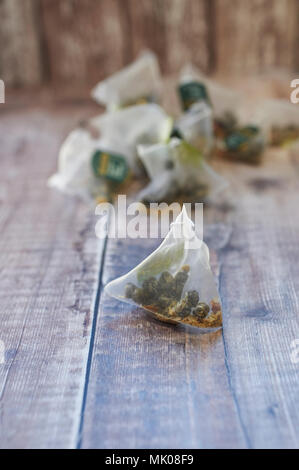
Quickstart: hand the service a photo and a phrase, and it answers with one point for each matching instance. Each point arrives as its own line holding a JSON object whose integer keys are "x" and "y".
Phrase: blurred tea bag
{"x": 233, "y": 139}
{"x": 159, "y": 165}
{"x": 243, "y": 144}
{"x": 177, "y": 169}
{"x": 194, "y": 87}
{"x": 279, "y": 120}
{"x": 139, "y": 82}
{"x": 175, "y": 283}
{"x": 142, "y": 124}
{"x": 195, "y": 125}
{"x": 90, "y": 167}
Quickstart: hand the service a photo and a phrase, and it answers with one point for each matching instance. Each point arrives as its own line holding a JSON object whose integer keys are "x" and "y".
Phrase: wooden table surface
{"x": 82, "y": 370}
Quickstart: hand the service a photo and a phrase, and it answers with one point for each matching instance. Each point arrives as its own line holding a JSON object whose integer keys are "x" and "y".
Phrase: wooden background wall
{"x": 63, "y": 42}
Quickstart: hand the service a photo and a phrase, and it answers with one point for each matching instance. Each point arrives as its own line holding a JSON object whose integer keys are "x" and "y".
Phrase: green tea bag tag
{"x": 109, "y": 165}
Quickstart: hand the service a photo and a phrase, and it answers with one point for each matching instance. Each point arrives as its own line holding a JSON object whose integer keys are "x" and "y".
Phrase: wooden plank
{"x": 49, "y": 258}
{"x": 20, "y": 53}
{"x": 255, "y": 36}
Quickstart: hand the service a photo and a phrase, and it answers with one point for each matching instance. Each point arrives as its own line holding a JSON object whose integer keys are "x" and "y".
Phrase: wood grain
{"x": 79, "y": 42}
{"x": 252, "y": 36}
{"x": 49, "y": 263}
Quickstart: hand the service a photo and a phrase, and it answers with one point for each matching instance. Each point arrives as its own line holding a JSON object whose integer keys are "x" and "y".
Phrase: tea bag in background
{"x": 175, "y": 283}
{"x": 142, "y": 124}
{"x": 243, "y": 144}
{"x": 178, "y": 170}
{"x": 195, "y": 125}
{"x": 139, "y": 82}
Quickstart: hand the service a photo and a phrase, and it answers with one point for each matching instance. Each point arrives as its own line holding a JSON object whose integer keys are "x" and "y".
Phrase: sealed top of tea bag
{"x": 139, "y": 82}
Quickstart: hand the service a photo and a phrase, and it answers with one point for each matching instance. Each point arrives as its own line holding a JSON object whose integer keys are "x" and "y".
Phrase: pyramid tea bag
{"x": 90, "y": 167}
{"x": 177, "y": 169}
{"x": 196, "y": 127}
{"x": 195, "y": 87}
{"x": 175, "y": 283}
{"x": 139, "y": 82}
{"x": 243, "y": 144}
{"x": 142, "y": 124}
{"x": 92, "y": 164}
{"x": 279, "y": 120}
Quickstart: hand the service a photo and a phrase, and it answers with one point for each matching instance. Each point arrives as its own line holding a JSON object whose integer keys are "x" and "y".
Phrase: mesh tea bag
{"x": 175, "y": 283}
{"x": 196, "y": 127}
{"x": 137, "y": 83}
{"x": 194, "y": 87}
{"x": 178, "y": 170}
{"x": 143, "y": 124}
{"x": 88, "y": 167}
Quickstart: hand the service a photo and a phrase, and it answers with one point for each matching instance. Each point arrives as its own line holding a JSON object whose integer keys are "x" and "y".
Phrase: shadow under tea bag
{"x": 139, "y": 82}
{"x": 175, "y": 283}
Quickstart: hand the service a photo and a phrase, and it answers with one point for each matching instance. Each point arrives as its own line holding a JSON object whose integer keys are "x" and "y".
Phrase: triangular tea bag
{"x": 175, "y": 283}
{"x": 139, "y": 82}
